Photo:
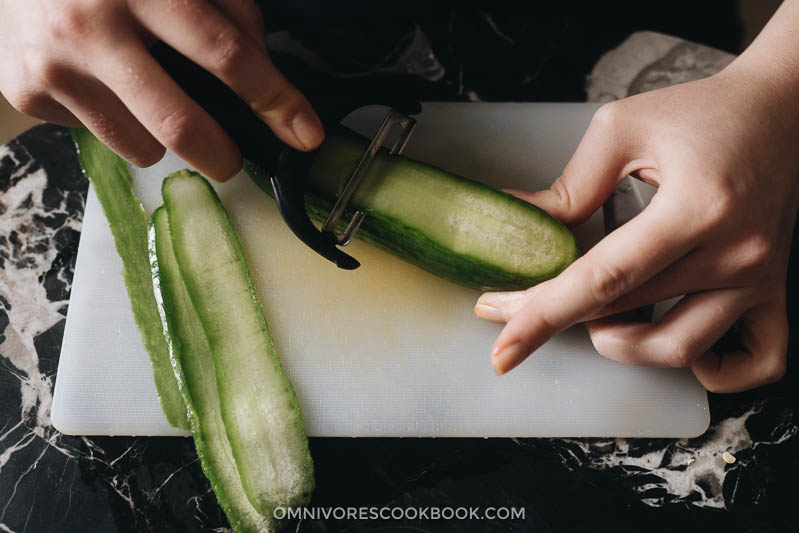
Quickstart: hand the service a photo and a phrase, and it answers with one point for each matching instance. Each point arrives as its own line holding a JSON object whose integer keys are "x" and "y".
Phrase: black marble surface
{"x": 52, "y": 482}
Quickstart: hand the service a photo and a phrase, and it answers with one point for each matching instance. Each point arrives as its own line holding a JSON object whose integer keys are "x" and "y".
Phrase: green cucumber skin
{"x": 194, "y": 369}
{"x": 271, "y": 452}
{"x": 402, "y": 238}
{"x": 113, "y": 185}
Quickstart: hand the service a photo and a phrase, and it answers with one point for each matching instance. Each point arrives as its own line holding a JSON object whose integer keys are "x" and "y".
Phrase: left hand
{"x": 723, "y": 153}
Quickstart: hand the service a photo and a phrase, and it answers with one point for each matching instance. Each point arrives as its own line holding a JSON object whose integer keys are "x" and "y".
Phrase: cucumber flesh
{"x": 113, "y": 185}
{"x": 453, "y": 227}
{"x": 194, "y": 369}
{"x": 259, "y": 408}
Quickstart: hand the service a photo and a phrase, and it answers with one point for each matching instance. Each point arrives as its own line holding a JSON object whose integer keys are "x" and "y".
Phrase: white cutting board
{"x": 386, "y": 350}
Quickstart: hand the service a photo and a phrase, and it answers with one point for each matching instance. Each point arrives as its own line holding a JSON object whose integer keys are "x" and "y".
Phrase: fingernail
{"x": 498, "y": 299}
{"x": 488, "y": 312}
{"x": 505, "y": 358}
{"x": 308, "y": 130}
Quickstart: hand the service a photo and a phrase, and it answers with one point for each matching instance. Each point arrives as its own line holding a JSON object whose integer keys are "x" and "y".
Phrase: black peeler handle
{"x": 333, "y": 99}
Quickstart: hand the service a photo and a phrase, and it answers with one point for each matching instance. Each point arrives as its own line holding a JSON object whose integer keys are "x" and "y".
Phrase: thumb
{"x": 595, "y": 169}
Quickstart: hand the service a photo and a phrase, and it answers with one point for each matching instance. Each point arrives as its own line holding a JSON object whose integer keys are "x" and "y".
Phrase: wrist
{"x": 771, "y": 73}
{"x": 764, "y": 85}
{"x": 771, "y": 62}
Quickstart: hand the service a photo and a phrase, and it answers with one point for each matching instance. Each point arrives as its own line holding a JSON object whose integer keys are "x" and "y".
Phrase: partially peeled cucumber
{"x": 453, "y": 227}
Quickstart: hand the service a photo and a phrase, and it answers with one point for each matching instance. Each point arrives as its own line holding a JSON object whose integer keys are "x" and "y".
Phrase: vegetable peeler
{"x": 333, "y": 100}
{"x": 288, "y": 182}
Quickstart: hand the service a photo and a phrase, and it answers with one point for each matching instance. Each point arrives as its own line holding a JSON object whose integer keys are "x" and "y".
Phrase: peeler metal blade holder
{"x": 291, "y": 175}
{"x": 393, "y": 117}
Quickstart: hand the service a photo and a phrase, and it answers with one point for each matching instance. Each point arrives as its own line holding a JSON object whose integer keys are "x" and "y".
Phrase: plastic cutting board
{"x": 386, "y": 350}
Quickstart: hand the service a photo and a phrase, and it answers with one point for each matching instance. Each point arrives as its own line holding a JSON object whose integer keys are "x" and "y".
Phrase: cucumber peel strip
{"x": 113, "y": 185}
{"x": 258, "y": 404}
{"x": 194, "y": 369}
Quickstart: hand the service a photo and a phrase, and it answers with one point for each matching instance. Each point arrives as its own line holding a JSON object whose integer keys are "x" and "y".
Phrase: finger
{"x": 173, "y": 118}
{"x": 200, "y": 32}
{"x": 501, "y": 306}
{"x": 620, "y": 262}
{"x": 76, "y": 98}
{"x": 600, "y": 162}
{"x": 762, "y": 360}
{"x": 680, "y": 278}
{"x": 29, "y": 92}
{"x": 686, "y": 331}
{"x": 43, "y": 107}
{"x": 694, "y": 272}
{"x": 104, "y": 114}
{"x": 702, "y": 269}
{"x": 246, "y": 15}
{"x": 60, "y": 115}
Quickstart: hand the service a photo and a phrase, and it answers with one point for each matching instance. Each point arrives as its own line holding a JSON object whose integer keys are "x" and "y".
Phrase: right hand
{"x": 86, "y": 62}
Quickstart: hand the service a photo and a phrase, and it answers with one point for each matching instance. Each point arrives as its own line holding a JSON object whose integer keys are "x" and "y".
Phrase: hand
{"x": 723, "y": 153}
{"x": 87, "y": 61}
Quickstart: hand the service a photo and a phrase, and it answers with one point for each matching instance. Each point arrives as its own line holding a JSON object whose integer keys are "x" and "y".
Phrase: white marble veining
{"x": 139, "y": 473}
{"x": 30, "y": 311}
{"x": 689, "y": 471}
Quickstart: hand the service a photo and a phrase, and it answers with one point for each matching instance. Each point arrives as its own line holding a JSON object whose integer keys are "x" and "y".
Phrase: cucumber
{"x": 194, "y": 369}
{"x": 113, "y": 185}
{"x": 453, "y": 227}
{"x": 258, "y": 405}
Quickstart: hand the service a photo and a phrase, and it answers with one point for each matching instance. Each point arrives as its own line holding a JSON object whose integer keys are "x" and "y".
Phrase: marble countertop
{"x": 52, "y": 482}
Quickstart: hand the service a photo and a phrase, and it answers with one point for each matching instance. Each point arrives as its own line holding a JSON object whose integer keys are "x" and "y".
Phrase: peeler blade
{"x": 393, "y": 117}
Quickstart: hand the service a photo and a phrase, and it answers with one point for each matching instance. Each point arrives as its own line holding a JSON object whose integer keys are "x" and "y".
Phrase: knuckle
{"x": 623, "y": 303}
{"x": 541, "y": 323}
{"x": 26, "y": 101}
{"x": 68, "y": 21}
{"x": 608, "y": 282}
{"x": 754, "y": 254}
{"x": 176, "y": 129}
{"x": 50, "y": 73}
{"x": 561, "y": 191}
{"x": 33, "y": 62}
{"x": 606, "y": 116}
{"x": 43, "y": 69}
{"x": 719, "y": 210}
{"x": 682, "y": 352}
{"x": 229, "y": 51}
{"x": 536, "y": 325}
{"x": 775, "y": 369}
{"x": 271, "y": 97}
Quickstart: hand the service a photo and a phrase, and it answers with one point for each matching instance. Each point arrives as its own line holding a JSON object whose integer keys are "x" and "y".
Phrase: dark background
{"x": 529, "y": 53}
